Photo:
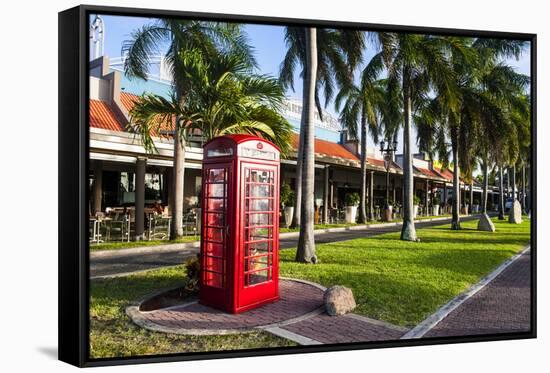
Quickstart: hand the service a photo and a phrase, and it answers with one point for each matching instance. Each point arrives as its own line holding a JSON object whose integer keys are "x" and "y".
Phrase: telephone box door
{"x": 215, "y": 247}
{"x": 258, "y": 255}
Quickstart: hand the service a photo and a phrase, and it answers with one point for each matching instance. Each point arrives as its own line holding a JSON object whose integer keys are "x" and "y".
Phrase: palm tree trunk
{"x": 306, "y": 241}
{"x": 501, "y": 194}
{"x": 514, "y": 197}
{"x": 523, "y": 188}
{"x": 178, "y": 177}
{"x": 371, "y": 196}
{"x": 485, "y": 186}
{"x": 471, "y": 206}
{"x": 299, "y": 169}
{"x": 408, "y": 231}
{"x": 176, "y": 227}
{"x": 455, "y": 222}
{"x": 362, "y": 201}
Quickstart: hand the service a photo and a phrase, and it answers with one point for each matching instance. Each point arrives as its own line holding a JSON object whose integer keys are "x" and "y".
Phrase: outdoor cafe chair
{"x": 118, "y": 226}
{"x": 159, "y": 227}
{"x": 189, "y": 223}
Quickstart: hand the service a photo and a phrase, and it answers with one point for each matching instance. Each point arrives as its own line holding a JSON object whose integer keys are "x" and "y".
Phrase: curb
{"x": 431, "y": 321}
{"x": 169, "y": 248}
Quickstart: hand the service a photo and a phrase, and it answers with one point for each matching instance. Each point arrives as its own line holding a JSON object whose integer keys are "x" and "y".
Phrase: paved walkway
{"x": 116, "y": 263}
{"x": 502, "y": 306}
{"x": 299, "y": 316}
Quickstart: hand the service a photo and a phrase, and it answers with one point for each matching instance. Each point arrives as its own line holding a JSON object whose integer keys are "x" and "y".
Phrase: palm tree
{"x": 364, "y": 104}
{"x": 224, "y": 97}
{"x": 338, "y": 52}
{"x": 418, "y": 64}
{"x": 179, "y": 35}
{"x": 328, "y": 57}
{"x": 306, "y": 241}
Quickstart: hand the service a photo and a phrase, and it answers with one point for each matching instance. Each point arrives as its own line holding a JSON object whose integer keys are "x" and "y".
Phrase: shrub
{"x": 287, "y": 195}
{"x": 192, "y": 270}
{"x": 352, "y": 199}
{"x": 416, "y": 200}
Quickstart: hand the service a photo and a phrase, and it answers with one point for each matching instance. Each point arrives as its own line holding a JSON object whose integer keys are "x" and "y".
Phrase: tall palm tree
{"x": 327, "y": 57}
{"x": 338, "y": 52}
{"x": 225, "y": 96}
{"x": 418, "y": 64}
{"x": 361, "y": 106}
{"x": 306, "y": 241}
{"x": 179, "y": 35}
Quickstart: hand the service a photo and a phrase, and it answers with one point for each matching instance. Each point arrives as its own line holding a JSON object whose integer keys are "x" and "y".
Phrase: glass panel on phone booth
{"x": 259, "y": 277}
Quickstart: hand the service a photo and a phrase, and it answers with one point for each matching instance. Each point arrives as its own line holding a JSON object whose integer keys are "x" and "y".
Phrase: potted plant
{"x": 465, "y": 206}
{"x": 436, "y": 200}
{"x": 475, "y": 206}
{"x": 388, "y": 210}
{"x": 352, "y": 201}
{"x": 287, "y": 203}
{"x": 416, "y": 203}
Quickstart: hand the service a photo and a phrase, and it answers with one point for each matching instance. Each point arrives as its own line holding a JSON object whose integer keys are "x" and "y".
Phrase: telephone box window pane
{"x": 215, "y": 204}
{"x": 214, "y": 249}
{"x": 213, "y": 264}
{"x": 216, "y": 175}
{"x": 215, "y": 220}
{"x": 213, "y": 279}
{"x": 215, "y": 234}
{"x": 257, "y": 248}
{"x": 217, "y": 190}
{"x": 258, "y": 190}
{"x": 258, "y": 234}
{"x": 257, "y": 176}
{"x": 259, "y": 277}
{"x": 259, "y": 262}
{"x": 259, "y": 205}
{"x": 259, "y": 219}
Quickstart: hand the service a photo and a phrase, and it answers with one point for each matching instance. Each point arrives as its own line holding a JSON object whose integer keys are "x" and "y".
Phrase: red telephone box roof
{"x": 240, "y": 138}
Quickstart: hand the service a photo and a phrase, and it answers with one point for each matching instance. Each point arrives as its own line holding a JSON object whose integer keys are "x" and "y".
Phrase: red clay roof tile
{"x": 102, "y": 116}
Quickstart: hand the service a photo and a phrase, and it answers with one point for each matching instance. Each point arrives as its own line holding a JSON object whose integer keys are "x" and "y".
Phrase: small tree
{"x": 352, "y": 199}
{"x": 287, "y": 196}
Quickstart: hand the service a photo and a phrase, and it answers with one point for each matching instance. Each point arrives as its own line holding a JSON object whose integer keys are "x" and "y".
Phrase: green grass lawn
{"x": 392, "y": 280}
{"x": 404, "y": 282}
{"x": 127, "y": 245}
{"x": 112, "y": 334}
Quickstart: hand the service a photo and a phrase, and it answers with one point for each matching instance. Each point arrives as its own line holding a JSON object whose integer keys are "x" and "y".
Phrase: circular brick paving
{"x": 298, "y": 300}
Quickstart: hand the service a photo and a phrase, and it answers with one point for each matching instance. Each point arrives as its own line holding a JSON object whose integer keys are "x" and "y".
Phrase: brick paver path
{"x": 344, "y": 329}
{"x": 297, "y": 299}
{"x": 503, "y": 306}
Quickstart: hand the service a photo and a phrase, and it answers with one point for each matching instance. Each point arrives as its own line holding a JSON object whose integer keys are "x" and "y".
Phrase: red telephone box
{"x": 240, "y": 223}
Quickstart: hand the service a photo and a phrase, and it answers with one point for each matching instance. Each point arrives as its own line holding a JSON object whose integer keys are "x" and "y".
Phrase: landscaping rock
{"x": 485, "y": 224}
{"x": 514, "y": 216}
{"x": 339, "y": 300}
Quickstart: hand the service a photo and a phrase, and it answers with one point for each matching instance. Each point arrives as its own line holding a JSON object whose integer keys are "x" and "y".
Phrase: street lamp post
{"x": 387, "y": 152}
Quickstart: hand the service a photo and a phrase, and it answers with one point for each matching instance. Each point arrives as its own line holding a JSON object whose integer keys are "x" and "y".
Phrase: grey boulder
{"x": 485, "y": 224}
{"x": 514, "y": 215}
{"x": 339, "y": 300}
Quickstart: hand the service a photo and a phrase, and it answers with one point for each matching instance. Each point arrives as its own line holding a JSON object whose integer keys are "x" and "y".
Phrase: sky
{"x": 269, "y": 46}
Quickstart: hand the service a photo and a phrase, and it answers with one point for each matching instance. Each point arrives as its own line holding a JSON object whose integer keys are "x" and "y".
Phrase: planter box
{"x": 351, "y": 213}
{"x": 289, "y": 214}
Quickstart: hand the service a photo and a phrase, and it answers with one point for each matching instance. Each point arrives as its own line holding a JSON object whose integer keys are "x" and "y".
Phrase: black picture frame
{"x": 73, "y": 192}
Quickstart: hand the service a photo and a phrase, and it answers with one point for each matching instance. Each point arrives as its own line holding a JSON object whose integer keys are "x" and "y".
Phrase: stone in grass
{"x": 485, "y": 224}
{"x": 514, "y": 216}
{"x": 339, "y": 300}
